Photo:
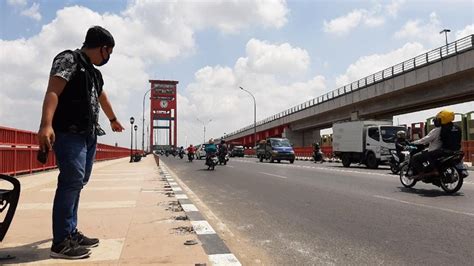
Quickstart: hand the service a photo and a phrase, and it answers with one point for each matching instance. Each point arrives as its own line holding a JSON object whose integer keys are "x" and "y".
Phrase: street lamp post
{"x": 254, "y": 116}
{"x": 143, "y": 120}
{"x": 136, "y": 146}
{"x": 132, "y": 120}
{"x": 445, "y": 31}
{"x": 204, "y": 125}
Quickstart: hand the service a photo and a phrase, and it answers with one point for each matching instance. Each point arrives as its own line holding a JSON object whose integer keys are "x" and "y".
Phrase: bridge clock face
{"x": 163, "y": 103}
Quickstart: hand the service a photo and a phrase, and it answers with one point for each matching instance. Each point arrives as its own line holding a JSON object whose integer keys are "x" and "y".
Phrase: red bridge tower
{"x": 163, "y": 113}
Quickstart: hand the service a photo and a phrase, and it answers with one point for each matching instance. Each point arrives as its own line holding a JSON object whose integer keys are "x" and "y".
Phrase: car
{"x": 237, "y": 151}
{"x": 275, "y": 149}
{"x": 201, "y": 152}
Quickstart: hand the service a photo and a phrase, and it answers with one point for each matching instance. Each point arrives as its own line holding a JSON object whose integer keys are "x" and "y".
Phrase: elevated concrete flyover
{"x": 439, "y": 77}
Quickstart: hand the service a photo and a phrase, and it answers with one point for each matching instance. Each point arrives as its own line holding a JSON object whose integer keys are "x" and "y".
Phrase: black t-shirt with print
{"x": 78, "y": 107}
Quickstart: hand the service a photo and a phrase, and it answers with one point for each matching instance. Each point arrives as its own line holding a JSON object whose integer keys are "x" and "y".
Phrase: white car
{"x": 201, "y": 152}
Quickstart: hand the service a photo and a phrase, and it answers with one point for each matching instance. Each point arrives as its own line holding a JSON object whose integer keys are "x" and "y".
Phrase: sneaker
{"x": 85, "y": 241}
{"x": 69, "y": 249}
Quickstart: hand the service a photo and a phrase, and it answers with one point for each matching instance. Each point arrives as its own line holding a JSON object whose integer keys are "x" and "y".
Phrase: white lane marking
{"x": 280, "y": 176}
{"x": 85, "y": 205}
{"x": 189, "y": 208}
{"x": 181, "y": 196}
{"x": 325, "y": 168}
{"x": 202, "y": 228}
{"x": 176, "y": 189}
{"x": 230, "y": 166}
{"x": 224, "y": 259}
{"x": 424, "y": 205}
{"x": 173, "y": 183}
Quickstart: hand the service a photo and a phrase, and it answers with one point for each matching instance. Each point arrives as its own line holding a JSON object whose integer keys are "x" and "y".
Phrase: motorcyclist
{"x": 317, "y": 154}
{"x": 191, "y": 150}
{"x": 181, "y": 152}
{"x": 210, "y": 149}
{"x": 400, "y": 144}
{"x": 223, "y": 150}
{"x": 444, "y": 138}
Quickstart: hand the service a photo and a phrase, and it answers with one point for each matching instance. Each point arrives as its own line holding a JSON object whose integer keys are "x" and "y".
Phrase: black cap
{"x": 97, "y": 36}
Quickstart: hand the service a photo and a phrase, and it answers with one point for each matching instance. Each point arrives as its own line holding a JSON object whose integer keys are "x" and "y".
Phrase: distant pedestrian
{"x": 69, "y": 125}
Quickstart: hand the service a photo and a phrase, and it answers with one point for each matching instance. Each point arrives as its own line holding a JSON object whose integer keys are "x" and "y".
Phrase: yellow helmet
{"x": 445, "y": 116}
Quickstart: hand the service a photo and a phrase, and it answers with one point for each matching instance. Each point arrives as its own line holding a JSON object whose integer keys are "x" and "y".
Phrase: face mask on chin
{"x": 104, "y": 60}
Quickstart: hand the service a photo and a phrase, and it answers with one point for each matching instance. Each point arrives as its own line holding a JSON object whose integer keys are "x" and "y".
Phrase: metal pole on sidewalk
{"x": 136, "y": 146}
{"x": 132, "y": 120}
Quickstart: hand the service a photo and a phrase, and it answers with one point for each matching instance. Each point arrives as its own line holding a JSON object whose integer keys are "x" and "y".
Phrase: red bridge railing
{"x": 467, "y": 147}
{"x": 19, "y": 148}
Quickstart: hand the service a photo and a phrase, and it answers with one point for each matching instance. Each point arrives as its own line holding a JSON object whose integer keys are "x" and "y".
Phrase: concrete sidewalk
{"x": 124, "y": 204}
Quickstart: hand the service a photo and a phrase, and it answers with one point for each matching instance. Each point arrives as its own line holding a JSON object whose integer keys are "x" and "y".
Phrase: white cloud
{"x": 215, "y": 94}
{"x": 468, "y": 30}
{"x": 393, "y": 8}
{"x": 32, "y": 12}
{"x": 146, "y": 33}
{"x": 226, "y": 16}
{"x": 20, "y": 3}
{"x": 344, "y": 24}
{"x": 275, "y": 59}
{"x": 425, "y": 32}
{"x": 374, "y": 17}
{"x": 368, "y": 65}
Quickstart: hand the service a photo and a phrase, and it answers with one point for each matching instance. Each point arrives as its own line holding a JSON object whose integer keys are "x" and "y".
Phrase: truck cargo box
{"x": 349, "y": 136}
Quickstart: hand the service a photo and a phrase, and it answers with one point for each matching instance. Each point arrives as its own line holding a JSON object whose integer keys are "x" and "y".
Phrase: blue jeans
{"x": 75, "y": 155}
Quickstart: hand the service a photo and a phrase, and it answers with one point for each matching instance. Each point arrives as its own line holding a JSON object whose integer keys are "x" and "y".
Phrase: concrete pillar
{"x": 302, "y": 138}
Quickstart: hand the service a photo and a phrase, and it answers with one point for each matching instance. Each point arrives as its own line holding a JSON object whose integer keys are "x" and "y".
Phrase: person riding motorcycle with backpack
{"x": 445, "y": 138}
{"x": 400, "y": 143}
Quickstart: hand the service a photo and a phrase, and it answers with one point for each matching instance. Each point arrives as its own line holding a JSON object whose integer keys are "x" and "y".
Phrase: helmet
{"x": 401, "y": 134}
{"x": 445, "y": 116}
{"x": 222, "y": 141}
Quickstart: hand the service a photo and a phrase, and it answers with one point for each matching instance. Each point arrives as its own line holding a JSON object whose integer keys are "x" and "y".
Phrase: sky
{"x": 284, "y": 52}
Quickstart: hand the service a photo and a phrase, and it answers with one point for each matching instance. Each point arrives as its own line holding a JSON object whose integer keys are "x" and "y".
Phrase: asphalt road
{"x": 312, "y": 214}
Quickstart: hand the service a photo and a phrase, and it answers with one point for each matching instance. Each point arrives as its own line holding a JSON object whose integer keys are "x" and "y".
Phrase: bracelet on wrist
{"x": 113, "y": 119}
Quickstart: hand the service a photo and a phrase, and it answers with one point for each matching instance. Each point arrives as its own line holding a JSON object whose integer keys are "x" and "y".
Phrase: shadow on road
{"x": 29, "y": 253}
{"x": 429, "y": 193}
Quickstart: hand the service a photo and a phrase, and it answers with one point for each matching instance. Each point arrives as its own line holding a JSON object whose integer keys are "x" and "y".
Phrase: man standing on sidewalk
{"x": 69, "y": 125}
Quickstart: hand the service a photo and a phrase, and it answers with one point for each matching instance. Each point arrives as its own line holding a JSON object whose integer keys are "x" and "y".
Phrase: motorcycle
{"x": 181, "y": 154}
{"x": 396, "y": 161}
{"x": 190, "y": 157}
{"x": 450, "y": 171}
{"x": 223, "y": 159}
{"x": 211, "y": 161}
{"x": 318, "y": 156}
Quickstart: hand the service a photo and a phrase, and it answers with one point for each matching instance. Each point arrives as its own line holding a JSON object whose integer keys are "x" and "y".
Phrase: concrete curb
{"x": 214, "y": 246}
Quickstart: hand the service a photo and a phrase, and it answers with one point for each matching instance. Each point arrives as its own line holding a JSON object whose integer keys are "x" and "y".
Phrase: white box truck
{"x": 364, "y": 142}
